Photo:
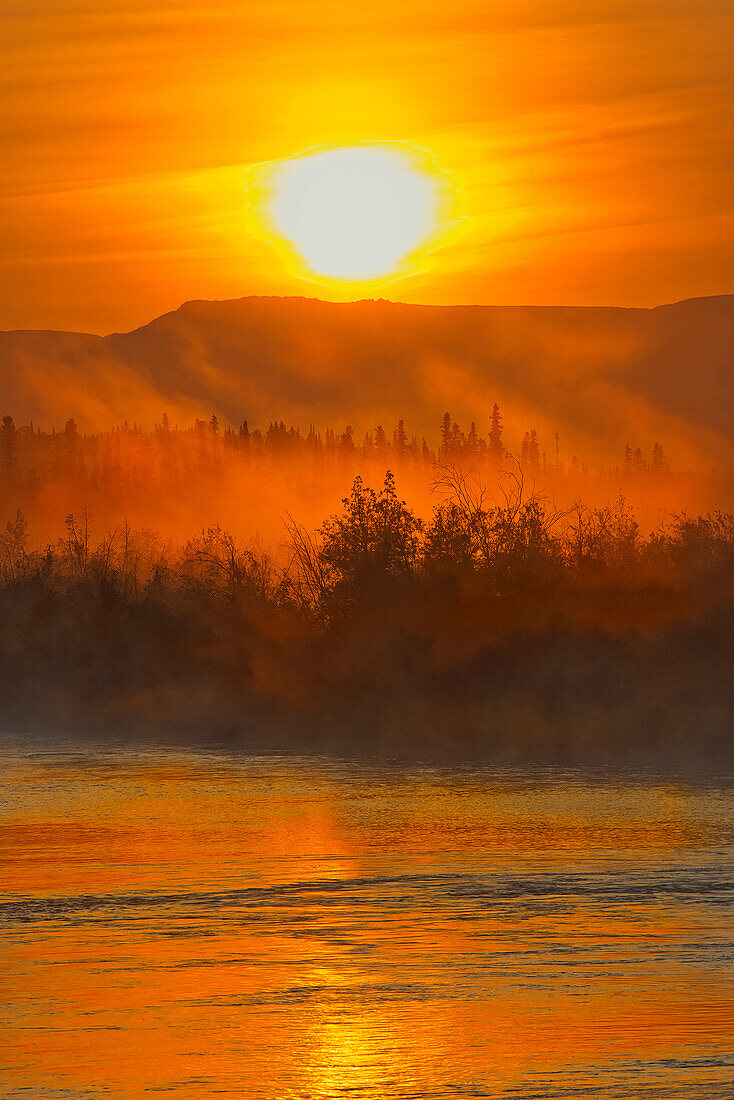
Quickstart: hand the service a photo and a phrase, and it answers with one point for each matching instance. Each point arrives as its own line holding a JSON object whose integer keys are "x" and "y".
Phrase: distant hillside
{"x": 598, "y": 376}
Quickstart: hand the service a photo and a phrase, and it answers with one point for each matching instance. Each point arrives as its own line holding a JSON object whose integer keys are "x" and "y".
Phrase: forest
{"x": 26, "y": 451}
{"x": 499, "y": 622}
{"x": 180, "y": 478}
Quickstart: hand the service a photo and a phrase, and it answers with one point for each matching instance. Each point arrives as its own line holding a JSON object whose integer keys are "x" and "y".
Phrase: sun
{"x": 354, "y": 213}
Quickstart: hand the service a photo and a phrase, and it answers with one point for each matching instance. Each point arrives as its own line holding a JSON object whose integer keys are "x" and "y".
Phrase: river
{"x": 202, "y": 924}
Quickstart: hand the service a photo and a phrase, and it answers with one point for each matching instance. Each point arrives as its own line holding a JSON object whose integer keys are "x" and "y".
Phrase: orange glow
{"x": 592, "y": 146}
{"x": 312, "y": 968}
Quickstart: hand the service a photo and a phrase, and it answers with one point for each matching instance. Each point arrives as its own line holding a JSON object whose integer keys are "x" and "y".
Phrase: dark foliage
{"x": 499, "y": 626}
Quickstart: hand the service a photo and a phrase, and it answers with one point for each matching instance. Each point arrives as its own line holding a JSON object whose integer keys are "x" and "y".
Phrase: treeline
{"x": 496, "y": 626}
{"x": 28, "y": 454}
{"x": 378, "y": 540}
{"x": 180, "y": 478}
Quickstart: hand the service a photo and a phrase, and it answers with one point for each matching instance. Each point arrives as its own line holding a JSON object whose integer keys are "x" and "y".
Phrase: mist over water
{"x": 194, "y": 924}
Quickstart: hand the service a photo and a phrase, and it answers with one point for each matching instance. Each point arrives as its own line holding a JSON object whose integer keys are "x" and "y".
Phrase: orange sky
{"x": 591, "y": 141}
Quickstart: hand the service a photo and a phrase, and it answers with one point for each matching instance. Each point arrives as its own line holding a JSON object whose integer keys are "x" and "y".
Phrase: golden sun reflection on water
{"x": 287, "y": 930}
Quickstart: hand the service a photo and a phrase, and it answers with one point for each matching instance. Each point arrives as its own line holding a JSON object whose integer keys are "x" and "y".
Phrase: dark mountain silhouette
{"x": 599, "y": 376}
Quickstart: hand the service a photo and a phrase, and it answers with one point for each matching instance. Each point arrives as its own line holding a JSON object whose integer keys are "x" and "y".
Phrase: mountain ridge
{"x": 373, "y": 301}
{"x": 599, "y": 375}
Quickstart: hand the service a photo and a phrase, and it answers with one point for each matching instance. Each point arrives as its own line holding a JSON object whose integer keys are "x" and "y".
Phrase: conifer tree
{"x": 380, "y": 440}
{"x": 400, "y": 438}
{"x": 446, "y": 441}
{"x": 346, "y": 440}
{"x": 533, "y": 451}
{"x": 8, "y": 445}
{"x": 496, "y": 447}
{"x": 659, "y": 466}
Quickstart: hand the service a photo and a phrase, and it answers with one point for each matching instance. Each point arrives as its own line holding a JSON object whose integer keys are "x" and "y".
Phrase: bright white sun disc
{"x": 353, "y": 213}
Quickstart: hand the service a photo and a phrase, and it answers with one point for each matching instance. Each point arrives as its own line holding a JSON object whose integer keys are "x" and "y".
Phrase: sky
{"x": 590, "y": 144}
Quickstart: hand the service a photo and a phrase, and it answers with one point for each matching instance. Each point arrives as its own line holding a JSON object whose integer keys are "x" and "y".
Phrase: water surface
{"x": 206, "y": 925}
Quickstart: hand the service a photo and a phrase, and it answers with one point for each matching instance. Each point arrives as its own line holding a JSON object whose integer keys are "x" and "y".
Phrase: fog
{"x": 499, "y": 624}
